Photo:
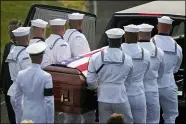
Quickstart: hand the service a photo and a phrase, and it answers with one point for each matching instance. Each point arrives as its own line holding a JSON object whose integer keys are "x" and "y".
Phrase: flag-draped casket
{"x": 69, "y": 82}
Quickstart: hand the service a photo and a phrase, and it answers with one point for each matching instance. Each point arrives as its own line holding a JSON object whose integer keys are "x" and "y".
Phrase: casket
{"x": 70, "y": 92}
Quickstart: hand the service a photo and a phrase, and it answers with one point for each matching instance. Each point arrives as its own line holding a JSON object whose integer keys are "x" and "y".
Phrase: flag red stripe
{"x": 83, "y": 67}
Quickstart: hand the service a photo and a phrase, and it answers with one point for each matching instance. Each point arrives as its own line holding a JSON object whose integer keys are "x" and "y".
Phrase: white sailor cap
{"x": 21, "y": 31}
{"x": 75, "y": 16}
{"x": 36, "y": 48}
{"x": 165, "y": 20}
{"x": 115, "y": 33}
{"x": 131, "y": 28}
{"x": 145, "y": 28}
{"x": 39, "y": 23}
{"x": 57, "y": 21}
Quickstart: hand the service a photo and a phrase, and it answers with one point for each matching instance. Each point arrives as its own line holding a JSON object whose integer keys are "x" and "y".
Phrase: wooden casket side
{"x": 70, "y": 93}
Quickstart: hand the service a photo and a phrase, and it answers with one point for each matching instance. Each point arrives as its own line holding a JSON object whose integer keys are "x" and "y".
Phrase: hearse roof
{"x": 159, "y": 7}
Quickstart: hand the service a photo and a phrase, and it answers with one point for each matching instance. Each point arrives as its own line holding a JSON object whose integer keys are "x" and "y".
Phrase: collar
{"x": 163, "y": 34}
{"x": 55, "y": 36}
{"x": 149, "y": 46}
{"x": 34, "y": 65}
{"x": 39, "y": 38}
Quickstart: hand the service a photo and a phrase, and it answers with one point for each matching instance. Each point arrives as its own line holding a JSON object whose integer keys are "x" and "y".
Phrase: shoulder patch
{"x": 62, "y": 45}
{"x": 78, "y": 36}
{"x": 25, "y": 58}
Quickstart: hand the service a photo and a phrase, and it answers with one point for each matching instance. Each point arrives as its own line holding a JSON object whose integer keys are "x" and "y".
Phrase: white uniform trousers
{"x": 169, "y": 103}
{"x": 107, "y": 109}
{"x": 88, "y": 117}
{"x": 153, "y": 107}
{"x": 138, "y": 108}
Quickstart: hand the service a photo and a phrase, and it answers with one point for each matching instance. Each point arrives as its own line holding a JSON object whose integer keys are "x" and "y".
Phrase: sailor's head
{"x": 38, "y": 28}
{"x": 13, "y": 24}
{"x": 22, "y": 35}
{"x": 58, "y": 26}
{"x": 145, "y": 31}
{"x": 131, "y": 33}
{"x": 164, "y": 24}
{"x": 36, "y": 51}
{"x": 115, "y": 37}
{"x": 76, "y": 21}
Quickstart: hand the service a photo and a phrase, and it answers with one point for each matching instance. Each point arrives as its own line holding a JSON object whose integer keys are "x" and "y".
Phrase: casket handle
{"x": 64, "y": 99}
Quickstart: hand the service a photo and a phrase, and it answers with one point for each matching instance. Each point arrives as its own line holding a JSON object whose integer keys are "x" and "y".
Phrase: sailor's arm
{"x": 162, "y": 64}
{"x": 180, "y": 56}
{"x": 91, "y": 75}
{"x": 49, "y": 99}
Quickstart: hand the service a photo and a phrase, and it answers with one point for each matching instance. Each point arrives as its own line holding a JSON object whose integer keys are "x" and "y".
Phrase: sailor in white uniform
{"x": 38, "y": 29}
{"x": 74, "y": 36}
{"x": 135, "y": 84}
{"x": 36, "y": 86}
{"x": 58, "y": 49}
{"x": 78, "y": 45}
{"x": 111, "y": 67}
{"x": 153, "y": 74}
{"x": 18, "y": 59}
{"x": 173, "y": 59}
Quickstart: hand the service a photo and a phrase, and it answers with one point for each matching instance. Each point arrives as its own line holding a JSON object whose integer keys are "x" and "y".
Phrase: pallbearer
{"x": 173, "y": 59}
{"x": 38, "y": 30}
{"x": 58, "y": 49}
{"x": 135, "y": 84}
{"x": 111, "y": 67}
{"x": 36, "y": 86}
{"x": 154, "y": 72}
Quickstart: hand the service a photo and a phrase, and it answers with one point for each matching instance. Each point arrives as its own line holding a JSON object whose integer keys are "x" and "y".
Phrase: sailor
{"x": 18, "y": 59}
{"x": 154, "y": 72}
{"x": 36, "y": 86}
{"x": 78, "y": 45}
{"x": 74, "y": 36}
{"x": 38, "y": 29}
{"x": 111, "y": 67}
{"x": 58, "y": 49}
{"x": 6, "y": 81}
{"x": 173, "y": 59}
{"x": 134, "y": 84}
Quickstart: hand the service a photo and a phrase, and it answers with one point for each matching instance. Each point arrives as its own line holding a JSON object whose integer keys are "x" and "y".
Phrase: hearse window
{"x": 178, "y": 29}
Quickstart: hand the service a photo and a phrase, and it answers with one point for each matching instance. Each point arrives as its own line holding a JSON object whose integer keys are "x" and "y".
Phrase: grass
{"x": 19, "y": 9}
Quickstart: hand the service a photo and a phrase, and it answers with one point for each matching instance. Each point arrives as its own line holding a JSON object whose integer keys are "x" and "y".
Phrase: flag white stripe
{"x": 78, "y": 62}
{"x": 85, "y": 73}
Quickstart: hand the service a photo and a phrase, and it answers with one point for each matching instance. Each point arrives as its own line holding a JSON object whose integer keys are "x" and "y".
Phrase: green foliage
{"x": 19, "y": 9}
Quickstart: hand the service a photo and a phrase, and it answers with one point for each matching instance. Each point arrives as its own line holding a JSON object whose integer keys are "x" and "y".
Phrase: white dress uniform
{"x": 36, "y": 86}
{"x": 114, "y": 67}
{"x": 40, "y": 24}
{"x": 17, "y": 60}
{"x": 135, "y": 84}
{"x": 77, "y": 40}
{"x": 78, "y": 45}
{"x": 154, "y": 72}
{"x": 167, "y": 87}
{"x": 57, "y": 48}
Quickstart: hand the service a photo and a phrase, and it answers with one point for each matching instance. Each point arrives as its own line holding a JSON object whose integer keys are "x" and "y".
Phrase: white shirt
{"x": 17, "y": 60}
{"x": 57, "y": 50}
{"x": 111, "y": 78}
{"x": 141, "y": 62}
{"x": 172, "y": 58}
{"x": 36, "y": 40}
{"x": 31, "y": 83}
{"x": 156, "y": 68}
{"x": 77, "y": 41}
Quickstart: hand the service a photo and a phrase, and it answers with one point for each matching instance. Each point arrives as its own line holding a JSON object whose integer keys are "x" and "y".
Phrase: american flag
{"x": 80, "y": 62}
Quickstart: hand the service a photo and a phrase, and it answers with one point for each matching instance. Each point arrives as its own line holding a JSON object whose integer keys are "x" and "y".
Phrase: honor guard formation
{"x": 133, "y": 76}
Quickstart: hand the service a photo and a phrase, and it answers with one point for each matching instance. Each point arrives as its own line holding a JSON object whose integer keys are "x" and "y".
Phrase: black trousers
{"x": 11, "y": 114}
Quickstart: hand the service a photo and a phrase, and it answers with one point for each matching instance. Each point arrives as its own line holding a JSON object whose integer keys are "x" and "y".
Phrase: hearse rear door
{"x": 46, "y": 12}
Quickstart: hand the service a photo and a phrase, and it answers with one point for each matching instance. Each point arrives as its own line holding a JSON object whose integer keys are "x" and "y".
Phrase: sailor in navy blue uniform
{"x": 154, "y": 72}
{"x": 108, "y": 71}
{"x": 173, "y": 59}
{"x": 37, "y": 88}
{"x": 38, "y": 30}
